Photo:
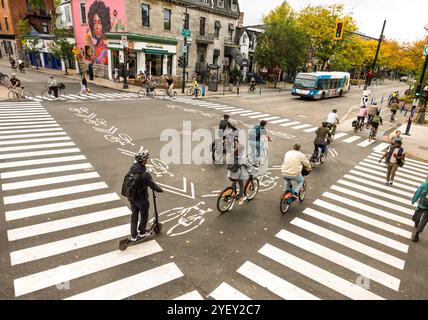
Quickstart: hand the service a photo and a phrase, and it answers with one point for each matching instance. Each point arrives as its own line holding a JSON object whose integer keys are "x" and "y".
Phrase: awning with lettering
{"x": 156, "y": 51}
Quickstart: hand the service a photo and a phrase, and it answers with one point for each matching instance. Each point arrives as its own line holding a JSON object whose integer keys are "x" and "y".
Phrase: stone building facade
{"x": 154, "y": 33}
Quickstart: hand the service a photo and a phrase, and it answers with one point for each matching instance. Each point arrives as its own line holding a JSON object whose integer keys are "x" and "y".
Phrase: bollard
{"x": 409, "y": 124}
{"x": 237, "y": 91}
{"x": 260, "y": 92}
{"x": 203, "y": 90}
{"x": 382, "y": 99}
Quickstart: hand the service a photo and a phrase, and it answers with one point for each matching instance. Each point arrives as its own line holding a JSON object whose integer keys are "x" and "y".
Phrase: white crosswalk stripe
{"x": 352, "y": 139}
{"x": 289, "y": 124}
{"x": 193, "y": 295}
{"x": 33, "y": 186}
{"x": 311, "y": 130}
{"x": 227, "y": 292}
{"x": 340, "y": 135}
{"x": 280, "y": 121}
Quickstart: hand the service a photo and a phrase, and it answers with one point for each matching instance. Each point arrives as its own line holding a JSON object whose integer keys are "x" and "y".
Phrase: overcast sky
{"x": 405, "y": 18}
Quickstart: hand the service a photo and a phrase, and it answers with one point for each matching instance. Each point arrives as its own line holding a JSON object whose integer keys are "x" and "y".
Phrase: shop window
{"x": 166, "y": 19}
{"x": 202, "y": 26}
{"x": 154, "y": 64}
{"x": 83, "y": 13}
{"x": 145, "y": 14}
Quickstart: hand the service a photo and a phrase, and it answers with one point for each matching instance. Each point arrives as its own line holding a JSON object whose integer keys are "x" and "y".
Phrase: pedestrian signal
{"x": 180, "y": 61}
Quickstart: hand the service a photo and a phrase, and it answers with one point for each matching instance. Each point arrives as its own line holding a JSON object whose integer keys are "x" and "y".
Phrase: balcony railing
{"x": 207, "y": 38}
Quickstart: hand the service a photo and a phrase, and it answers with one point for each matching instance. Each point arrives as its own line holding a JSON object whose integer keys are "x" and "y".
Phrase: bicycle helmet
{"x": 142, "y": 156}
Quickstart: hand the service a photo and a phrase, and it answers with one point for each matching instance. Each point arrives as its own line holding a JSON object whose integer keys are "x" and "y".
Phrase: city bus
{"x": 320, "y": 85}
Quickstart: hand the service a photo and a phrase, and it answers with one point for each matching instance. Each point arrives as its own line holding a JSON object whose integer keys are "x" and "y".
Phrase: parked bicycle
{"x": 49, "y": 94}
{"x": 228, "y": 196}
{"x": 18, "y": 93}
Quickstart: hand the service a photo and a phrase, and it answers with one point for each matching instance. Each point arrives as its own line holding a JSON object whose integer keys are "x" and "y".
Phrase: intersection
{"x": 62, "y": 166}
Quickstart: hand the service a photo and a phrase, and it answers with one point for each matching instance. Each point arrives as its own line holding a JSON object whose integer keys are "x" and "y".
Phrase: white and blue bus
{"x": 320, "y": 85}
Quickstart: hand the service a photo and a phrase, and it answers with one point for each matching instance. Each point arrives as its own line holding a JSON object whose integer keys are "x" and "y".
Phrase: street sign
{"x": 426, "y": 50}
{"x": 186, "y": 33}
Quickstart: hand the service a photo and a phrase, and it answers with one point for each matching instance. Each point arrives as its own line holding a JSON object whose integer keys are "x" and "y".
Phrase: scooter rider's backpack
{"x": 129, "y": 186}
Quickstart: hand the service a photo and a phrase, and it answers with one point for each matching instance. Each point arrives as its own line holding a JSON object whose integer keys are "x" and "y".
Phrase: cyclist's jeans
{"x": 55, "y": 91}
{"x": 361, "y": 120}
{"x": 323, "y": 148}
{"x": 142, "y": 210}
{"x": 241, "y": 188}
{"x": 333, "y": 128}
{"x": 299, "y": 183}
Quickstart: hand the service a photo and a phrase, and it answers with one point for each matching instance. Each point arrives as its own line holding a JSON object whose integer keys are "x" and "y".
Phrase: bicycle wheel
{"x": 141, "y": 94}
{"x": 225, "y": 200}
{"x": 153, "y": 93}
{"x": 165, "y": 95}
{"x": 13, "y": 96}
{"x": 45, "y": 95}
{"x": 5, "y": 78}
{"x": 252, "y": 188}
{"x": 61, "y": 93}
{"x": 302, "y": 192}
{"x": 28, "y": 95}
{"x": 284, "y": 205}
{"x": 174, "y": 95}
{"x": 189, "y": 92}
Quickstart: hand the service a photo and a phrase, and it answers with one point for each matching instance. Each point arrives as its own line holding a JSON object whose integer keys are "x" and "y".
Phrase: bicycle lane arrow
{"x": 181, "y": 192}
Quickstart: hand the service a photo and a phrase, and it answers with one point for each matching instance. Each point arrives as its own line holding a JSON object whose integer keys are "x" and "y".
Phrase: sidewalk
{"x": 415, "y": 145}
{"x": 4, "y": 93}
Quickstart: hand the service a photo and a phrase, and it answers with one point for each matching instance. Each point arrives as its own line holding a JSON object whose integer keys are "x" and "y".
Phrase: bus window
{"x": 320, "y": 84}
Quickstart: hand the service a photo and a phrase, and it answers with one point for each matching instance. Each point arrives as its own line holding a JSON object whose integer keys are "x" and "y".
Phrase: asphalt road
{"x": 60, "y": 227}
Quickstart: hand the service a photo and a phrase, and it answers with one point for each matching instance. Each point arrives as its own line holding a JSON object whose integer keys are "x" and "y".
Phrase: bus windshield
{"x": 305, "y": 83}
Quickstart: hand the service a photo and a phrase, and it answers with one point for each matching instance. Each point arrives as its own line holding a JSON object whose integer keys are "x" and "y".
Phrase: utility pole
{"x": 369, "y": 79}
{"x": 183, "y": 84}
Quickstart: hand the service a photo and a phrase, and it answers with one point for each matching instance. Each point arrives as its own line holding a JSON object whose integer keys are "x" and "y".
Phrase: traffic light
{"x": 181, "y": 61}
{"x": 339, "y": 30}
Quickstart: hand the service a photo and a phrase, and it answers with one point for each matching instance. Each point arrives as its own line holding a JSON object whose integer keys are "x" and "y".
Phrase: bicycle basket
{"x": 354, "y": 123}
{"x": 61, "y": 86}
{"x": 305, "y": 172}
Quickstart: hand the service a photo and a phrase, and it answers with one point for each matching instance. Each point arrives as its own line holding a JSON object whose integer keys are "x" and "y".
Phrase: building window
{"x": 202, "y": 26}
{"x": 1, "y": 27}
{"x": 42, "y": 9}
{"x": 145, "y": 14}
{"x": 220, "y": 3}
{"x": 29, "y": 5}
{"x": 6, "y": 23}
{"x": 186, "y": 20}
{"x": 166, "y": 19}
{"x": 83, "y": 13}
{"x": 67, "y": 15}
{"x": 2, "y": 4}
{"x": 217, "y": 27}
{"x": 244, "y": 39}
{"x": 234, "y": 5}
{"x": 231, "y": 29}
{"x": 45, "y": 28}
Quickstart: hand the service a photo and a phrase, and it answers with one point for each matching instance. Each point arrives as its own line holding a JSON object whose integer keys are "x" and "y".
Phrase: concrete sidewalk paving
{"x": 415, "y": 145}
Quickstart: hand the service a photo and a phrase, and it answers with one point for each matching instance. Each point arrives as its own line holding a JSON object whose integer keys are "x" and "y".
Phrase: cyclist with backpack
{"x": 375, "y": 122}
{"x": 134, "y": 188}
{"x": 420, "y": 216}
{"x": 322, "y": 139}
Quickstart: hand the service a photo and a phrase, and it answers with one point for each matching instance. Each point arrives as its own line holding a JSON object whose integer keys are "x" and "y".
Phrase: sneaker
{"x": 391, "y": 183}
{"x": 133, "y": 239}
{"x": 387, "y": 183}
{"x": 242, "y": 201}
{"x": 143, "y": 234}
{"x": 415, "y": 237}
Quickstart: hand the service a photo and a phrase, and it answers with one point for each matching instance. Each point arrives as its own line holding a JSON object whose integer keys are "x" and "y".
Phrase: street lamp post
{"x": 369, "y": 79}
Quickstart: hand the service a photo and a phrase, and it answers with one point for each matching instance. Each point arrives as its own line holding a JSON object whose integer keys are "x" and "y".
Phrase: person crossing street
{"x": 420, "y": 217}
{"x": 394, "y": 158}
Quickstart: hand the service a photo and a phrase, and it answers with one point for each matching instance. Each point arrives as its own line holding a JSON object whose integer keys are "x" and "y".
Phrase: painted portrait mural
{"x": 95, "y": 18}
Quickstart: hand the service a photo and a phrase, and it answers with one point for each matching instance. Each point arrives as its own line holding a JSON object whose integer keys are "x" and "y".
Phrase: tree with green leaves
{"x": 283, "y": 45}
{"x": 60, "y": 46}
{"x": 26, "y": 42}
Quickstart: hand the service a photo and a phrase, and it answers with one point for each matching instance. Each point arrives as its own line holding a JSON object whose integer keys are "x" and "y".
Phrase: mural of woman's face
{"x": 98, "y": 27}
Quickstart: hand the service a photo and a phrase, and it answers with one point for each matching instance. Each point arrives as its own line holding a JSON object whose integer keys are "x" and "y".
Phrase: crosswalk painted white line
{"x": 32, "y": 135}
{"x": 365, "y": 143}
{"x": 340, "y": 135}
{"x": 38, "y": 171}
{"x": 27, "y": 120}
{"x": 302, "y": 126}
{"x": 249, "y": 114}
{"x": 373, "y": 210}
{"x": 50, "y": 121}
{"x": 382, "y": 180}
{"x": 393, "y": 190}
{"x": 226, "y": 292}
{"x": 374, "y": 191}
{"x": 37, "y": 146}
{"x": 25, "y": 197}
{"x": 414, "y": 177}
{"x": 193, "y": 295}
{"x": 67, "y": 223}
{"x": 23, "y": 163}
{"x": 271, "y": 118}
{"x": 77, "y": 96}
{"x": 22, "y": 117}
{"x": 49, "y": 181}
{"x": 311, "y": 130}
{"x": 383, "y": 174}
{"x": 273, "y": 283}
{"x": 349, "y": 243}
{"x": 424, "y": 172}
{"x": 133, "y": 285}
{"x": 358, "y": 230}
{"x": 70, "y": 244}
{"x": 381, "y": 147}
{"x": 52, "y": 277}
{"x": 239, "y": 112}
{"x": 60, "y": 206}
{"x": 351, "y": 139}
{"x": 280, "y": 121}
{"x": 23, "y": 113}
{"x": 30, "y": 131}
{"x": 289, "y": 124}
{"x": 37, "y": 153}
{"x": 421, "y": 173}
{"x": 30, "y": 126}
{"x": 340, "y": 259}
{"x": 317, "y": 274}
{"x": 260, "y": 116}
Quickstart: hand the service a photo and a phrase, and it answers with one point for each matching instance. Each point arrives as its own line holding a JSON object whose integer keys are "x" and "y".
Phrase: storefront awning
{"x": 235, "y": 53}
{"x": 158, "y": 52}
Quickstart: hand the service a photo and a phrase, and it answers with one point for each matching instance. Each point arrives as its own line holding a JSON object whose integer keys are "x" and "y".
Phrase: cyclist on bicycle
{"x": 14, "y": 82}
{"x": 394, "y": 109}
{"x": 376, "y": 120}
{"x": 53, "y": 86}
{"x": 195, "y": 86}
{"x": 333, "y": 121}
{"x": 238, "y": 172}
{"x": 225, "y": 124}
{"x": 373, "y": 109}
{"x": 12, "y": 62}
{"x": 362, "y": 114}
{"x": 150, "y": 85}
{"x": 252, "y": 83}
{"x": 323, "y": 135}
{"x": 258, "y": 136}
{"x": 20, "y": 65}
{"x": 291, "y": 169}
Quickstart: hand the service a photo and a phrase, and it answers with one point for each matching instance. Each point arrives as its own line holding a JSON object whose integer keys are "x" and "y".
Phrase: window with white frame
{"x": 83, "y": 12}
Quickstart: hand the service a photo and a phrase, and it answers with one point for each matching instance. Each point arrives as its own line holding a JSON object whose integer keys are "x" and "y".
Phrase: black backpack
{"x": 129, "y": 185}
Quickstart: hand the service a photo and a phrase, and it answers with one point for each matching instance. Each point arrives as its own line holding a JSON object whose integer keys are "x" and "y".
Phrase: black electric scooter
{"x": 155, "y": 228}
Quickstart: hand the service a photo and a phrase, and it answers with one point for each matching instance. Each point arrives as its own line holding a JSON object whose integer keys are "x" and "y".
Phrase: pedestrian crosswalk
{"x": 352, "y": 242}
{"x": 63, "y": 222}
{"x": 120, "y": 96}
{"x": 362, "y": 142}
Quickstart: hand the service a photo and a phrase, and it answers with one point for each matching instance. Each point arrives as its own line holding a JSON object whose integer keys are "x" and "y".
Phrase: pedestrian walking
{"x": 135, "y": 189}
{"x": 394, "y": 158}
{"x": 397, "y": 137}
{"x": 420, "y": 217}
{"x": 84, "y": 86}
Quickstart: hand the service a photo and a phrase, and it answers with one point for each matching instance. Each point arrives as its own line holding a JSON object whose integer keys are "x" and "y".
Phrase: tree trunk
{"x": 65, "y": 65}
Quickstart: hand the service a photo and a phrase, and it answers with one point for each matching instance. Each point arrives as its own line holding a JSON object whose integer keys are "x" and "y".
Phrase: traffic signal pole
{"x": 183, "y": 84}
{"x": 369, "y": 79}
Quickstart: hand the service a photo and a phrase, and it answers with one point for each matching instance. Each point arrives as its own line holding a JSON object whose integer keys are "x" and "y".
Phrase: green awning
{"x": 155, "y": 51}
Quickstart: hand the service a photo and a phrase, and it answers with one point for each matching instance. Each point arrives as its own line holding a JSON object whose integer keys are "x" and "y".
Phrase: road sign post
{"x": 124, "y": 42}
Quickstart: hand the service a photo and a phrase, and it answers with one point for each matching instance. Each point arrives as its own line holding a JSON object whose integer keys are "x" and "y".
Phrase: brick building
{"x": 14, "y": 10}
{"x": 154, "y": 32}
